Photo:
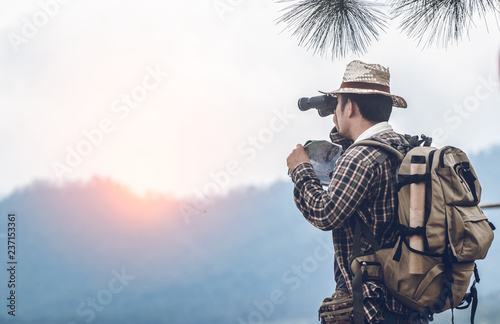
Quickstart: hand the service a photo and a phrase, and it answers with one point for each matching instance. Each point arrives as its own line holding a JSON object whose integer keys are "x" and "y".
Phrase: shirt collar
{"x": 375, "y": 129}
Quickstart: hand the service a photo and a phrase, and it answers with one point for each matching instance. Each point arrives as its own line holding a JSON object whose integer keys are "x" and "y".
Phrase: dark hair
{"x": 373, "y": 107}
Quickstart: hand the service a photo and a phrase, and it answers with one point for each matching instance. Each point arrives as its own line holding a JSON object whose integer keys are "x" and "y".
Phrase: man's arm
{"x": 349, "y": 187}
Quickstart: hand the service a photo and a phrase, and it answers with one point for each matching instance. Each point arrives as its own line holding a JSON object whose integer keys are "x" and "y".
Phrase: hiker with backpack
{"x": 360, "y": 186}
{"x": 405, "y": 219}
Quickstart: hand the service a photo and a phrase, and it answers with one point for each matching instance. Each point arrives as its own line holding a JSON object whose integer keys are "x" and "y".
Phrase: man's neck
{"x": 359, "y": 128}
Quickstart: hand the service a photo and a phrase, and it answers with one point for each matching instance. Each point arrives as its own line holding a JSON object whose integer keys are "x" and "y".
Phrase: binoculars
{"x": 325, "y": 104}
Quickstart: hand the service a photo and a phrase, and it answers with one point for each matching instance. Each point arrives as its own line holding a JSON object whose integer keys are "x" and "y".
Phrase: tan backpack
{"x": 455, "y": 233}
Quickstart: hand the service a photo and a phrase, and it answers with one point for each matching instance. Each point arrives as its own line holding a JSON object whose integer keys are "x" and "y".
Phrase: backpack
{"x": 453, "y": 233}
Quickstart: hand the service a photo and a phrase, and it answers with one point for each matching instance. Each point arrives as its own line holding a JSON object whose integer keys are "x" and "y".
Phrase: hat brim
{"x": 397, "y": 101}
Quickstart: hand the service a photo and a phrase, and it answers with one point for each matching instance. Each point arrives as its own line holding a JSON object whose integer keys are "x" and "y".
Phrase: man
{"x": 362, "y": 182}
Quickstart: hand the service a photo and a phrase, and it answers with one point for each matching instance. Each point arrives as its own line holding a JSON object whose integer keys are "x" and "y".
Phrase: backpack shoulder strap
{"x": 379, "y": 144}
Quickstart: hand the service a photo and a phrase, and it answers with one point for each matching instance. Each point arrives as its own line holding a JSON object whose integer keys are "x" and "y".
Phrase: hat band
{"x": 365, "y": 85}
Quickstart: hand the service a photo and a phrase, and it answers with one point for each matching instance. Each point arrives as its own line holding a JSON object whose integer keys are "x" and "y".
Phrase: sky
{"x": 199, "y": 97}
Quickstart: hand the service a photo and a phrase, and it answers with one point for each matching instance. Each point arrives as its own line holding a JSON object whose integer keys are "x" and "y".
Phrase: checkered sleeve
{"x": 348, "y": 189}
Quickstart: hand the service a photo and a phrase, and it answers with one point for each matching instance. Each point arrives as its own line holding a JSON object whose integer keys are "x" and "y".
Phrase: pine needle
{"x": 339, "y": 26}
{"x": 440, "y": 22}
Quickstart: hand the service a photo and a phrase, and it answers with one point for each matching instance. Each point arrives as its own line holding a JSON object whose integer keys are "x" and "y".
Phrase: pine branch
{"x": 440, "y": 22}
{"x": 339, "y": 26}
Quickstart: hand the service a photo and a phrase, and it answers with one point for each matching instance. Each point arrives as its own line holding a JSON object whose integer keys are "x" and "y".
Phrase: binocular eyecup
{"x": 325, "y": 104}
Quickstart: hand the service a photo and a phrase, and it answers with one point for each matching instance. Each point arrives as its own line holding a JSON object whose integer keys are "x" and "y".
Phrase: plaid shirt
{"x": 360, "y": 186}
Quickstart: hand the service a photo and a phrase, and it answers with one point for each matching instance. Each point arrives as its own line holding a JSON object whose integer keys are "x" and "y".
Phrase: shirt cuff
{"x": 301, "y": 171}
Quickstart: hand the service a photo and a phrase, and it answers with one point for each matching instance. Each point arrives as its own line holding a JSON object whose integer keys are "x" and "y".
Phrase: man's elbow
{"x": 322, "y": 225}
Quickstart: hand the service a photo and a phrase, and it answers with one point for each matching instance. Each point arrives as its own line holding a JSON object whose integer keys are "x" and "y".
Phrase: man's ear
{"x": 351, "y": 107}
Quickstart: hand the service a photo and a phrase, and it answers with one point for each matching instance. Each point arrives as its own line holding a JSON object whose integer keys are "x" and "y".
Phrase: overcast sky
{"x": 186, "y": 97}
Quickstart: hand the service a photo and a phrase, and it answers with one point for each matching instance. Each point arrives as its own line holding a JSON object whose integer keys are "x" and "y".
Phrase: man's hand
{"x": 297, "y": 156}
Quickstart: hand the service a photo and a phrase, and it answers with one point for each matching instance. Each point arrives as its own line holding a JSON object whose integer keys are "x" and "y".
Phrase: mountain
{"x": 95, "y": 253}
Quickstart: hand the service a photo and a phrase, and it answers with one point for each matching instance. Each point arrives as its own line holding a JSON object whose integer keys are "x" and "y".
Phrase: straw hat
{"x": 364, "y": 78}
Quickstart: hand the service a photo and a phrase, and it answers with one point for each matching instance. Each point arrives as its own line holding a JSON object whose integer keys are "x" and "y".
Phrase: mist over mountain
{"x": 96, "y": 253}
{"x": 74, "y": 240}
